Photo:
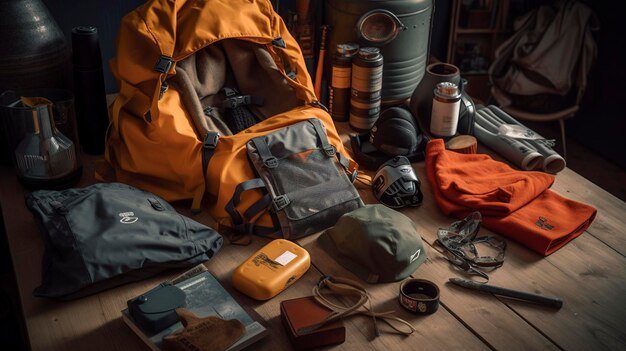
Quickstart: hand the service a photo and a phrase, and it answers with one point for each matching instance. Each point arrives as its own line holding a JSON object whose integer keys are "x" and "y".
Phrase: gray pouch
{"x": 108, "y": 234}
{"x": 305, "y": 177}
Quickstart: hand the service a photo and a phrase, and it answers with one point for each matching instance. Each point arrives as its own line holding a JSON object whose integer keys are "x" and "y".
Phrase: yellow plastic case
{"x": 271, "y": 269}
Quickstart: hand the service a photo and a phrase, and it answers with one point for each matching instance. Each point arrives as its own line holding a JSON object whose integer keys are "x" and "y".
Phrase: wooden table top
{"x": 589, "y": 274}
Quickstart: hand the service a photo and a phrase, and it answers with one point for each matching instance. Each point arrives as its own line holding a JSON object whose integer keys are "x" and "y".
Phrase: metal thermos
{"x": 367, "y": 79}
{"x": 445, "y": 114}
{"x": 399, "y": 28}
{"x": 340, "y": 83}
{"x": 90, "y": 97}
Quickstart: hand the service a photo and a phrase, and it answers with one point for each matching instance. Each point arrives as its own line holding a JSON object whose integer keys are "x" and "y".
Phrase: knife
{"x": 520, "y": 295}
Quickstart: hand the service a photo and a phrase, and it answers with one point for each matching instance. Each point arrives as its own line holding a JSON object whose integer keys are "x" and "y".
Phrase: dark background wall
{"x": 105, "y": 15}
{"x": 600, "y": 124}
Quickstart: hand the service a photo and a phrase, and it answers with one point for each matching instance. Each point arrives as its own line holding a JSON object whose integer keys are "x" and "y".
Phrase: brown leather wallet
{"x": 304, "y": 312}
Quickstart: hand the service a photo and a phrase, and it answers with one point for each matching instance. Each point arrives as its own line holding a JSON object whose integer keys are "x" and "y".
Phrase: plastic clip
{"x": 210, "y": 142}
{"x": 271, "y": 162}
{"x": 163, "y": 65}
{"x": 236, "y": 101}
{"x": 330, "y": 151}
{"x": 280, "y": 202}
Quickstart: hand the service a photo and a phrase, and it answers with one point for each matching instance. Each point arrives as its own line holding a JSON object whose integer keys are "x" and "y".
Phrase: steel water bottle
{"x": 367, "y": 80}
{"x": 339, "y": 99}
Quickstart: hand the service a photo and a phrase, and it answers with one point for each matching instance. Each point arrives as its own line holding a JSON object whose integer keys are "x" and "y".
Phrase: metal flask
{"x": 44, "y": 157}
{"x": 400, "y": 28}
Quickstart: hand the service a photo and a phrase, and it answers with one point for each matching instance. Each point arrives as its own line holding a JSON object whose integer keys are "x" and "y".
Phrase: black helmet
{"x": 396, "y": 184}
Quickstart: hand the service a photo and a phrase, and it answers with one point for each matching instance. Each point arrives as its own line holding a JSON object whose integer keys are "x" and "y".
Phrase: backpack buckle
{"x": 354, "y": 175}
{"x": 210, "y": 142}
{"x": 270, "y": 162}
{"x": 163, "y": 65}
{"x": 280, "y": 202}
{"x": 330, "y": 150}
{"x": 279, "y": 42}
{"x": 236, "y": 101}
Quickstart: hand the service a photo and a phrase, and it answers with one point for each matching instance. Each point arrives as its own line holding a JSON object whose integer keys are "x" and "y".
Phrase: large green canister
{"x": 400, "y": 28}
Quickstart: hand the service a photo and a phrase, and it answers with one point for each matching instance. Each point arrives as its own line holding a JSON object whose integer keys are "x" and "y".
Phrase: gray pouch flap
{"x": 303, "y": 175}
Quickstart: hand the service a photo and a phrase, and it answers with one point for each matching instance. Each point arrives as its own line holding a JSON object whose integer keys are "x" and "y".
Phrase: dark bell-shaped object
{"x": 34, "y": 52}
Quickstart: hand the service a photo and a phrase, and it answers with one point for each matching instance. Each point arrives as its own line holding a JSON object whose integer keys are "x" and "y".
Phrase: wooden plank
{"x": 592, "y": 288}
{"x": 590, "y": 279}
{"x": 586, "y": 273}
{"x": 229, "y": 258}
{"x": 432, "y": 331}
{"x": 495, "y": 323}
{"x": 75, "y": 325}
{"x": 113, "y": 301}
{"x": 610, "y": 221}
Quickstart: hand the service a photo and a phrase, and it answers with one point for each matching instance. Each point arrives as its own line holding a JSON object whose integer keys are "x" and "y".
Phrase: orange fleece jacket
{"x": 516, "y": 204}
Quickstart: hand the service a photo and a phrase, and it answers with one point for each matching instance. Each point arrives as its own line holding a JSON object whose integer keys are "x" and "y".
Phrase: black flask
{"x": 90, "y": 97}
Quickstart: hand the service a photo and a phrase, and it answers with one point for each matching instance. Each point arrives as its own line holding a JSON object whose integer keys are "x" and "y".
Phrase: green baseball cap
{"x": 376, "y": 243}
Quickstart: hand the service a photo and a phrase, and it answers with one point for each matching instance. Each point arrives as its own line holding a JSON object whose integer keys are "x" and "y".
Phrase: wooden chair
{"x": 522, "y": 115}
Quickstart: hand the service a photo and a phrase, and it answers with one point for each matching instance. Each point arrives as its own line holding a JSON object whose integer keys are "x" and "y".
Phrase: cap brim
{"x": 328, "y": 245}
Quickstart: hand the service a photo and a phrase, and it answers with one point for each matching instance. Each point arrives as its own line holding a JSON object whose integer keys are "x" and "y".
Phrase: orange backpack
{"x": 173, "y": 59}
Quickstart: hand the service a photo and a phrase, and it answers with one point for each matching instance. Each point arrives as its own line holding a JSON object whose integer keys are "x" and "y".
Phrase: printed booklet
{"x": 205, "y": 296}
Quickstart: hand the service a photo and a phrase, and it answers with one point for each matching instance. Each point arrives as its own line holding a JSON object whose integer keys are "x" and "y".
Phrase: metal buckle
{"x": 210, "y": 142}
{"x": 271, "y": 162}
{"x": 280, "y": 202}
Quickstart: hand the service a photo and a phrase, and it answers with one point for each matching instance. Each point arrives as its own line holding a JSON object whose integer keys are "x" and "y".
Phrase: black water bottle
{"x": 90, "y": 97}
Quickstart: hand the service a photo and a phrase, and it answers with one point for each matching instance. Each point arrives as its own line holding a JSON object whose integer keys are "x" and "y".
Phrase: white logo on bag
{"x": 128, "y": 218}
{"x": 415, "y": 256}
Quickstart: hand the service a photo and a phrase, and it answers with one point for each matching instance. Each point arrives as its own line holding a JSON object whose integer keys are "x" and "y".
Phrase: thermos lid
{"x": 369, "y": 53}
{"x": 447, "y": 90}
{"x": 347, "y": 49}
{"x": 86, "y": 47}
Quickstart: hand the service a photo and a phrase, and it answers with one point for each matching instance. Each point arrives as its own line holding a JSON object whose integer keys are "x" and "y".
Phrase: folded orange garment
{"x": 516, "y": 204}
